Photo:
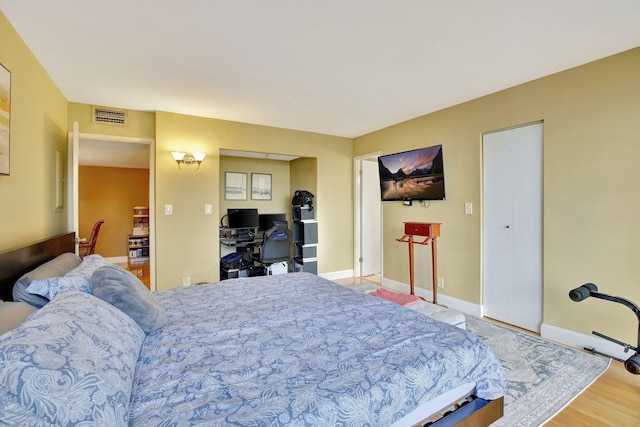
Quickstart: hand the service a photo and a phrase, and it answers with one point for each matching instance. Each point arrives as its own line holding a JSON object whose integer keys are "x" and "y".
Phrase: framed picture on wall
{"x": 261, "y": 186}
{"x": 235, "y": 186}
{"x": 5, "y": 118}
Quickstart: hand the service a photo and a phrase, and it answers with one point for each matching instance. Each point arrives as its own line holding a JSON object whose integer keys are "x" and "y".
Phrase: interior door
{"x": 371, "y": 215}
{"x": 72, "y": 173}
{"x": 512, "y": 226}
{"x": 77, "y": 142}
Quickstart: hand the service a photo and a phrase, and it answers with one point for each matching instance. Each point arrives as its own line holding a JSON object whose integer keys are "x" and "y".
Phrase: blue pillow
{"x": 57, "y": 267}
{"x": 49, "y": 288}
{"x": 123, "y": 290}
{"x": 70, "y": 363}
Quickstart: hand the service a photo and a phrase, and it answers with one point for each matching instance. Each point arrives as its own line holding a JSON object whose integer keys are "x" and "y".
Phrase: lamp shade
{"x": 177, "y": 155}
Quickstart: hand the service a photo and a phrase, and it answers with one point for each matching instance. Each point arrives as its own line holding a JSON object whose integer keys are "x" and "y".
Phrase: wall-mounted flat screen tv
{"x": 412, "y": 175}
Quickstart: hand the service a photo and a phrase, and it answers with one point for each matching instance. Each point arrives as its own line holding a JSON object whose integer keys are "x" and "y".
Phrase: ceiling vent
{"x": 110, "y": 116}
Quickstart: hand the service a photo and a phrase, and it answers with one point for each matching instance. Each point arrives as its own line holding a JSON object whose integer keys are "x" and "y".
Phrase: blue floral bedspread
{"x": 298, "y": 350}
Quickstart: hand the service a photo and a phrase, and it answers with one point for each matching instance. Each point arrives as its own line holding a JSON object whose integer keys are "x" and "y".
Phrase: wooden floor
{"x": 613, "y": 400}
{"x": 140, "y": 270}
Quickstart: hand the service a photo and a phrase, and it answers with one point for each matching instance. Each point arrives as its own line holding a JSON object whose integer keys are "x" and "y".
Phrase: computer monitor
{"x": 242, "y": 218}
{"x": 265, "y": 221}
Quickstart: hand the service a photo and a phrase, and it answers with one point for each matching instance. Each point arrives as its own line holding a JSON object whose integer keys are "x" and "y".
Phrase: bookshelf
{"x": 138, "y": 240}
{"x": 140, "y": 221}
{"x": 138, "y": 249}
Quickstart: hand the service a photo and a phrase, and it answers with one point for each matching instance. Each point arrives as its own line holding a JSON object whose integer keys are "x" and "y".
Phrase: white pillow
{"x": 49, "y": 288}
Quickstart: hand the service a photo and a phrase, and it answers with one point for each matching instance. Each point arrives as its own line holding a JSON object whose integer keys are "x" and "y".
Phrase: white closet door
{"x": 512, "y": 249}
{"x": 371, "y": 250}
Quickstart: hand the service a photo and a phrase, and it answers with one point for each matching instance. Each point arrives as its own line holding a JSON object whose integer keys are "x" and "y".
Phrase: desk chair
{"x": 89, "y": 247}
{"x": 276, "y": 245}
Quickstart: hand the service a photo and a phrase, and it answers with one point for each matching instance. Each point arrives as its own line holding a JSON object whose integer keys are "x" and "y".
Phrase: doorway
{"x": 118, "y": 160}
{"x": 512, "y": 225}
{"x": 367, "y": 218}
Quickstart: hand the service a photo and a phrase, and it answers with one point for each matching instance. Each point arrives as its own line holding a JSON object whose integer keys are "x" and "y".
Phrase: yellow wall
{"x": 591, "y": 152}
{"x": 38, "y": 130}
{"x": 304, "y": 176}
{"x": 188, "y": 190}
{"x": 187, "y": 241}
{"x": 280, "y": 177}
{"x": 110, "y": 194}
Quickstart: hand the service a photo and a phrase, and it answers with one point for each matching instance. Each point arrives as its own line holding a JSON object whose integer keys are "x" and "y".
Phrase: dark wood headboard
{"x": 14, "y": 263}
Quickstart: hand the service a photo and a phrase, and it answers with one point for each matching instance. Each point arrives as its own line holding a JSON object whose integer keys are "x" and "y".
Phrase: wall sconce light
{"x": 189, "y": 159}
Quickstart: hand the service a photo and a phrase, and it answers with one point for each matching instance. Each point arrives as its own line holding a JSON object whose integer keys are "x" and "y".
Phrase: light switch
{"x": 168, "y": 209}
{"x": 208, "y": 209}
{"x": 468, "y": 208}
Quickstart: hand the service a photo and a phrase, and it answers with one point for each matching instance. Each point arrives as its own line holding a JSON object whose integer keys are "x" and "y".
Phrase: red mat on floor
{"x": 397, "y": 297}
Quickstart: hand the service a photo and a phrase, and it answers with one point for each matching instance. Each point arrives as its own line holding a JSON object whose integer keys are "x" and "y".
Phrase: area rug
{"x": 542, "y": 377}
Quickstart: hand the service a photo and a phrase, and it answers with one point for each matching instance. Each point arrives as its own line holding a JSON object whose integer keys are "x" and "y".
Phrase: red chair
{"x": 89, "y": 247}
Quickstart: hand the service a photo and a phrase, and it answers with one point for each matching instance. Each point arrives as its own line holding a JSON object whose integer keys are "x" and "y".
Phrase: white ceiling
{"x": 97, "y": 152}
{"x": 338, "y": 67}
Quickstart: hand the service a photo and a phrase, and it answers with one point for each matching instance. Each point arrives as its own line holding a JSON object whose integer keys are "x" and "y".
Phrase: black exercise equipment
{"x": 590, "y": 290}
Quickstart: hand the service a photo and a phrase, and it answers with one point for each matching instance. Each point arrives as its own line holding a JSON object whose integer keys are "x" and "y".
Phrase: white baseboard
{"x": 451, "y": 302}
{"x": 579, "y": 340}
{"x": 335, "y": 275}
{"x": 549, "y": 332}
{"x": 118, "y": 259}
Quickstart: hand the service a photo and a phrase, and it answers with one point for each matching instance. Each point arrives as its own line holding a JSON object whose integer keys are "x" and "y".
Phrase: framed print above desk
{"x": 235, "y": 186}
{"x": 261, "y": 186}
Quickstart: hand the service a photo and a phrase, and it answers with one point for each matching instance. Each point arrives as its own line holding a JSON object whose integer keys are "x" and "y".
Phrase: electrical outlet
{"x": 186, "y": 281}
{"x": 208, "y": 209}
{"x": 440, "y": 282}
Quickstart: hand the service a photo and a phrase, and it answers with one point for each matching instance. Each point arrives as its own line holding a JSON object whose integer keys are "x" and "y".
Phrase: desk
{"x": 246, "y": 246}
{"x": 249, "y": 254}
{"x": 232, "y": 244}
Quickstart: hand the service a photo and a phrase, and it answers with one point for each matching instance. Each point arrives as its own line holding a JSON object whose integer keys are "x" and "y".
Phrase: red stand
{"x": 431, "y": 231}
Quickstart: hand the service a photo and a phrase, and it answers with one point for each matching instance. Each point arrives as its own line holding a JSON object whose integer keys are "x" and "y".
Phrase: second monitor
{"x": 266, "y": 221}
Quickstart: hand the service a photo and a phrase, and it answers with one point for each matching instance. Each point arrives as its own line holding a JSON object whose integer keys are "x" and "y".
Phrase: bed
{"x": 292, "y": 349}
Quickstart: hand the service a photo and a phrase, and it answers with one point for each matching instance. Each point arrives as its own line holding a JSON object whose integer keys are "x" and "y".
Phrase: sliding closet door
{"x": 512, "y": 225}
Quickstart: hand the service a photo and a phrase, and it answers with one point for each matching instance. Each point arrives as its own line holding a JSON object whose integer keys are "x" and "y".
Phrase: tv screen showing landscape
{"x": 412, "y": 175}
